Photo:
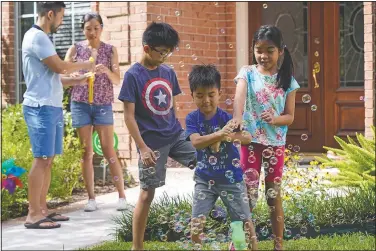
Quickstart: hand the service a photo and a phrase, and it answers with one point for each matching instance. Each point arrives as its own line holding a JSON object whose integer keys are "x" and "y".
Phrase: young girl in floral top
{"x": 265, "y": 102}
{"x": 97, "y": 115}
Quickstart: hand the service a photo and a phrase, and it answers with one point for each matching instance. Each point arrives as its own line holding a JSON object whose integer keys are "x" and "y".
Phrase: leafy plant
{"x": 356, "y": 162}
{"x": 66, "y": 169}
{"x": 312, "y": 209}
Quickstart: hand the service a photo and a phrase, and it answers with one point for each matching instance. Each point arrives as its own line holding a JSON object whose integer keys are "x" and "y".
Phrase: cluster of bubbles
{"x": 294, "y": 182}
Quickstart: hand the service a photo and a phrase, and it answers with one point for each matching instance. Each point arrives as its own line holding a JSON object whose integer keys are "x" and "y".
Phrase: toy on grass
{"x": 9, "y": 175}
{"x": 238, "y": 235}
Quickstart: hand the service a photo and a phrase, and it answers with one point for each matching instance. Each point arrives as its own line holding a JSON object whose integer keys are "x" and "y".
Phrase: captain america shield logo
{"x": 157, "y": 95}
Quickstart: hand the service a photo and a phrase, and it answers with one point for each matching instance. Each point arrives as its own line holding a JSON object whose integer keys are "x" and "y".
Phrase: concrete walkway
{"x": 87, "y": 229}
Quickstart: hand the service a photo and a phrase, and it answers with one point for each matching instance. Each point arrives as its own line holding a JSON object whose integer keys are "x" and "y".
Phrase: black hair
{"x": 273, "y": 34}
{"x": 204, "y": 76}
{"x": 160, "y": 34}
{"x": 44, "y": 7}
{"x": 91, "y": 15}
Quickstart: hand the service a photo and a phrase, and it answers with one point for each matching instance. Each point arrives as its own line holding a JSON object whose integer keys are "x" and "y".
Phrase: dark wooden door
{"x": 301, "y": 25}
{"x": 325, "y": 40}
{"x": 344, "y": 71}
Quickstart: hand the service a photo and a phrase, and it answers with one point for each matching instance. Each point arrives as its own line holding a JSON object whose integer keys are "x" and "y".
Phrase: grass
{"x": 354, "y": 241}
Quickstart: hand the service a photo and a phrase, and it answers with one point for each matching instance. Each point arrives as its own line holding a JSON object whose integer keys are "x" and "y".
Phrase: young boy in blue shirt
{"x": 218, "y": 172}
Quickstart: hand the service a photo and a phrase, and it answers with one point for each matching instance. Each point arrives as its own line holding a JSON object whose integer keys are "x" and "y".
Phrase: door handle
{"x": 315, "y": 70}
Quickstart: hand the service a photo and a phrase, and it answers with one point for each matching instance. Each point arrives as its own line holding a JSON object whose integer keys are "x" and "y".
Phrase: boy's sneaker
{"x": 91, "y": 206}
{"x": 231, "y": 247}
{"x": 122, "y": 204}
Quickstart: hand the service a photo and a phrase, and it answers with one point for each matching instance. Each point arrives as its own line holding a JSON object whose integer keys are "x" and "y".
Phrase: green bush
{"x": 356, "y": 163}
{"x": 66, "y": 170}
{"x": 312, "y": 209}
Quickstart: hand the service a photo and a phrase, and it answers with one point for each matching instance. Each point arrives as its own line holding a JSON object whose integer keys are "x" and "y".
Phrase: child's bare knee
{"x": 147, "y": 196}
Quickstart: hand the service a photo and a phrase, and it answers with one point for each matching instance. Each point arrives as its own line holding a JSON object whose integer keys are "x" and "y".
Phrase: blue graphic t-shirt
{"x": 214, "y": 166}
{"x": 263, "y": 95}
{"x": 152, "y": 91}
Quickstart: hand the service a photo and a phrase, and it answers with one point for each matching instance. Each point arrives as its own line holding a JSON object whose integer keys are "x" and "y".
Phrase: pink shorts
{"x": 252, "y": 157}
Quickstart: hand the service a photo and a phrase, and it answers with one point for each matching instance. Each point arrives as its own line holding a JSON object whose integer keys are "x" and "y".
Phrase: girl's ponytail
{"x": 286, "y": 71}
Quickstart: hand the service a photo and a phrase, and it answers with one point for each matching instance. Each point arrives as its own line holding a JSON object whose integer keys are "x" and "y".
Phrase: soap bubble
{"x": 306, "y": 98}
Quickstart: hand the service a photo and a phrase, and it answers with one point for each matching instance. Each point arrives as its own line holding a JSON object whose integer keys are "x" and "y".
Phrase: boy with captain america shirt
{"x": 148, "y": 92}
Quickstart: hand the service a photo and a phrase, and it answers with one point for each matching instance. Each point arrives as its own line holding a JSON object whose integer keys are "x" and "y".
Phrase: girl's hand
{"x": 238, "y": 123}
{"x": 100, "y": 68}
{"x": 81, "y": 80}
{"x": 268, "y": 117}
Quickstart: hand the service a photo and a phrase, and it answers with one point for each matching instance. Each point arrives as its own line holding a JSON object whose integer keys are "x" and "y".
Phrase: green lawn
{"x": 344, "y": 242}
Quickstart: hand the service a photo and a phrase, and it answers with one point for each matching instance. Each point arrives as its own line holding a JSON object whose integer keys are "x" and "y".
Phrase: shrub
{"x": 169, "y": 216}
{"x": 66, "y": 170}
{"x": 356, "y": 163}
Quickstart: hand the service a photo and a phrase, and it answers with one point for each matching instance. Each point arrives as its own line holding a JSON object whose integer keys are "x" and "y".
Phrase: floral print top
{"x": 263, "y": 95}
{"x": 103, "y": 88}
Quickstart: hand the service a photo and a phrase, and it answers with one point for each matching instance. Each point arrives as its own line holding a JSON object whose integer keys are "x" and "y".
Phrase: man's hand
{"x": 147, "y": 156}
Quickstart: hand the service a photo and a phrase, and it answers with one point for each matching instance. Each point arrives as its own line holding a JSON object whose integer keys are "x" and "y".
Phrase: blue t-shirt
{"x": 263, "y": 95}
{"x": 221, "y": 168}
{"x": 152, "y": 92}
{"x": 43, "y": 86}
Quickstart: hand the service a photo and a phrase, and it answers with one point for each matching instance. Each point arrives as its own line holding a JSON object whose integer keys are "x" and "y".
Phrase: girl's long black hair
{"x": 273, "y": 34}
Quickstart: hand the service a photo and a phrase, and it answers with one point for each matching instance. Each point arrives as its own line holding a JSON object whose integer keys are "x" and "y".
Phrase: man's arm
{"x": 63, "y": 67}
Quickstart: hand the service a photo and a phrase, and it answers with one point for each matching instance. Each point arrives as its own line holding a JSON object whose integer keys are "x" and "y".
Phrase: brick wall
{"x": 8, "y": 79}
{"x": 124, "y": 23}
{"x": 207, "y": 33}
{"x": 369, "y": 64}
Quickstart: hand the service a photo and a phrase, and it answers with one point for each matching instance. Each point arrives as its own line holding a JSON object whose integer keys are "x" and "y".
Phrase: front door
{"x": 327, "y": 101}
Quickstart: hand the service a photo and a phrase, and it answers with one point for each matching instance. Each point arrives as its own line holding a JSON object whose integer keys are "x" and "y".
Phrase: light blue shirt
{"x": 44, "y": 86}
{"x": 263, "y": 95}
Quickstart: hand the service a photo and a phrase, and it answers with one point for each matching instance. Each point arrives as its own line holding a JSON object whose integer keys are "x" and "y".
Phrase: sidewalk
{"x": 84, "y": 228}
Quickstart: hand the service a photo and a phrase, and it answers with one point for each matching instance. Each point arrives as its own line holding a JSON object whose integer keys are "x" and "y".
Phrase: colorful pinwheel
{"x": 9, "y": 175}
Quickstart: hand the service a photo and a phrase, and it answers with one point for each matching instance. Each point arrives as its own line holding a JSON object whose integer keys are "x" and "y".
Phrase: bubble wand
{"x": 91, "y": 83}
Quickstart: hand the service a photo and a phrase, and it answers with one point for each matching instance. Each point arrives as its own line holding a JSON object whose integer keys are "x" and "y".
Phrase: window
{"x": 69, "y": 32}
{"x": 351, "y": 21}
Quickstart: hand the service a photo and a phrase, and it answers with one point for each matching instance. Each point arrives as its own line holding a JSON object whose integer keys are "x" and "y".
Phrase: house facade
{"x": 332, "y": 45}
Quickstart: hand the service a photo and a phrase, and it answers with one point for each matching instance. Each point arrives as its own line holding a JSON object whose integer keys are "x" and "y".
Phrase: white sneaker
{"x": 122, "y": 204}
{"x": 91, "y": 206}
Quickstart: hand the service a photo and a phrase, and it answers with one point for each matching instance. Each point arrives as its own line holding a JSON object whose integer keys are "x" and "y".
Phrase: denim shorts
{"x": 179, "y": 150}
{"x": 45, "y": 125}
{"x": 84, "y": 114}
{"x": 232, "y": 195}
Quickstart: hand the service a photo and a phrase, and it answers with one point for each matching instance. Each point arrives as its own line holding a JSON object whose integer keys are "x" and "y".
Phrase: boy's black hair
{"x": 44, "y": 7}
{"x": 91, "y": 15}
{"x": 160, "y": 34}
{"x": 273, "y": 34}
{"x": 204, "y": 76}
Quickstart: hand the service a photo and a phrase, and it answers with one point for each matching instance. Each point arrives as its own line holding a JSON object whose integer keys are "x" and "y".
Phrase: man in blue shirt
{"x": 42, "y": 107}
{"x": 213, "y": 134}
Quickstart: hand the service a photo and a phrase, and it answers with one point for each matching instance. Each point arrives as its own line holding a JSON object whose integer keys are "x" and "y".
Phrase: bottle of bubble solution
{"x": 238, "y": 235}
{"x": 91, "y": 83}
